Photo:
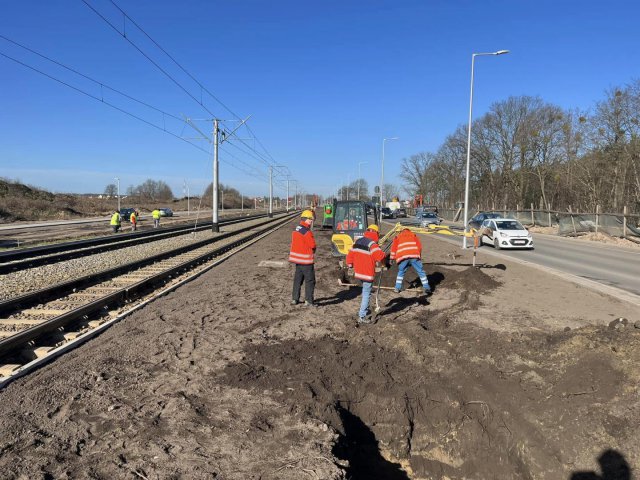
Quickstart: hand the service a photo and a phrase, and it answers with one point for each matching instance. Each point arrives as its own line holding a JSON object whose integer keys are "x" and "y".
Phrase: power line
{"x": 123, "y": 35}
{"x": 202, "y": 87}
{"x": 115, "y": 107}
{"x": 97, "y": 82}
{"x": 176, "y": 62}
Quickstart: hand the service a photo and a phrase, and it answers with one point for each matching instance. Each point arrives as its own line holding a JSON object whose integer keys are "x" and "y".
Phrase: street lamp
{"x": 466, "y": 182}
{"x": 185, "y": 189}
{"x": 382, "y": 174}
{"x": 359, "y": 176}
{"x": 117, "y": 179}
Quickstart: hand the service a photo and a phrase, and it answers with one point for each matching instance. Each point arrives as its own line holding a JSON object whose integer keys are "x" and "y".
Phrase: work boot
{"x": 310, "y": 304}
{"x": 397, "y": 290}
{"x": 427, "y": 290}
{"x": 294, "y": 302}
{"x": 364, "y": 320}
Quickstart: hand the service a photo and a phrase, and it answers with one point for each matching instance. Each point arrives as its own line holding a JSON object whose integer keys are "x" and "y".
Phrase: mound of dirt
{"x": 481, "y": 409}
{"x": 469, "y": 278}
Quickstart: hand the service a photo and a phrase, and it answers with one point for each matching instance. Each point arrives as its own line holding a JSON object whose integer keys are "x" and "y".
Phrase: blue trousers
{"x": 416, "y": 263}
{"x": 366, "y": 295}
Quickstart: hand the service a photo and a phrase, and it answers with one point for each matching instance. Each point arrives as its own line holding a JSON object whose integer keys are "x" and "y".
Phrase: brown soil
{"x": 504, "y": 372}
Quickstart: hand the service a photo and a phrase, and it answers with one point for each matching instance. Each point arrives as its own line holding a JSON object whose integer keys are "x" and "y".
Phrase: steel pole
{"x": 287, "y": 194}
{"x": 215, "y": 227}
{"x": 118, "y": 182}
{"x": 466, "y": 180}
{"x": 382, "y": 174}
{"x": 270, "y": 191}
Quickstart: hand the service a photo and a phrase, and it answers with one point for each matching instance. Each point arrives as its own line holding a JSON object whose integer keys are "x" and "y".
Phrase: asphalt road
{"x": 607, "y": 265}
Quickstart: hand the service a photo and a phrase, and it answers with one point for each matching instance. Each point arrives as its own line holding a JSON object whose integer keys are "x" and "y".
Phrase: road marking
{"x": 614, "y": 292}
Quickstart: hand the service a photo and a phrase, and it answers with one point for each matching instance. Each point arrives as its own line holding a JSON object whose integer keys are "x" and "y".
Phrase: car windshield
{"x": 386, "y": 210}
{"x": 429, "y": 215}
{"x": 509, "y": 225}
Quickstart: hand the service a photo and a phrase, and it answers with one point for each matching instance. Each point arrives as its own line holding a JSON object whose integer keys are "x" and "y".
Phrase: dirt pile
{"x": 484, "y": 407}
{"x": 224, "y": 379}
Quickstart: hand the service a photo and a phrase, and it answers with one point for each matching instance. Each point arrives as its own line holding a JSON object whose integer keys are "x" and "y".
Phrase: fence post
{"x": 597, "y": 216}
{"x": 625, "y": 211}
{"x": 549, "y": 212}
{"x": 505, "y": 211}
{"x": 517, "y": 211}
{"x": 533, "y": 220}
{"x": 573, "y": 222}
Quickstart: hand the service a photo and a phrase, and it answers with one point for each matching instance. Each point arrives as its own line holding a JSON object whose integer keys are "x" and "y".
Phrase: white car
{"x": 505, "y": 233}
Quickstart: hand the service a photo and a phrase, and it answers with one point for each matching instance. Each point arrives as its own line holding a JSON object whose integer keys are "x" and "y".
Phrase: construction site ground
{"x": 504, "y": 372}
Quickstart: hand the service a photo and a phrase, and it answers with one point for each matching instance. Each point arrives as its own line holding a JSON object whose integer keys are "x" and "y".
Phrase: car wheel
{"x": 496, "y": 244}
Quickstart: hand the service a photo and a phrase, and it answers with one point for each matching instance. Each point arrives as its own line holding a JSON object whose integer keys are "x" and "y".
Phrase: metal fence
{"x": 623, "y": 225}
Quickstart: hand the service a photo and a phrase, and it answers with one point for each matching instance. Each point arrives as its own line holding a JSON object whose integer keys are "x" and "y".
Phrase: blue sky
{"x": 324, "y": 82}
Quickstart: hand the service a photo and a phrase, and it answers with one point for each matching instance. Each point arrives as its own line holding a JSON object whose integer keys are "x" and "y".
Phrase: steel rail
{"x": 45, "y": 294}
{"x": 10, "y": 344}
{"x": 36, "y": 256}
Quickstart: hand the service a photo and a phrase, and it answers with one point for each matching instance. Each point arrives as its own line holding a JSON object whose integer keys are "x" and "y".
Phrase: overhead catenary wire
{"x": 87, "y": 77}
{"x": 126, "y": 16}
{"x": 169, "y": 76}
{"x": 122, "y": 110}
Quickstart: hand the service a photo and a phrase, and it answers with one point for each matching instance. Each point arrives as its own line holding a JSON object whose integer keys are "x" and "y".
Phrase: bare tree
{"x": 111, "y": 190}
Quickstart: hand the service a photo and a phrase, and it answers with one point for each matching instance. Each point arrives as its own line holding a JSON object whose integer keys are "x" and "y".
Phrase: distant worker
{"x": 115, "y": 221}
{"x": 303, "y": 247}
{"x": 363, "y": 257}
{"x": 134, "y": 221}
{"x": 406, "y": 250}
{"x": 156, "y": 218}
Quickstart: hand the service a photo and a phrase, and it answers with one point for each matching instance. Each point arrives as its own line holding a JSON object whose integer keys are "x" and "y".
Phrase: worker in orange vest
{"x": 303, "y": 247}
{"x": 363, "y": 257}
{"x": 406, "y": 250}
{"x": 133, "y": 218}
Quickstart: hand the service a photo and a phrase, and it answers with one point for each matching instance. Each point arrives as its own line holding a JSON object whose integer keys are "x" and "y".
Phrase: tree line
{"x": 150, "y": 189}
{"x": 527, "y": 151}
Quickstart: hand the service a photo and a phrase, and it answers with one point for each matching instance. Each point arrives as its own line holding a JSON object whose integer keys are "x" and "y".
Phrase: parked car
{"x": 401, "y": 213}
{"x": 125, "y": 213}
{"x": 476, "y": 221}
{"x": 428, "y": 218}
{"x": 505, "y": 233}
{"x": 386, "y": 212}
{"x": 166, "y": 212}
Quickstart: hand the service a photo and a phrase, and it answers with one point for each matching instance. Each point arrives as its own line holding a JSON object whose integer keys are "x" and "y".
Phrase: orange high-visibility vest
{"x": 303, "y": 246}
{"x": 363, "y": 257}
{"x": 406, "y": 245}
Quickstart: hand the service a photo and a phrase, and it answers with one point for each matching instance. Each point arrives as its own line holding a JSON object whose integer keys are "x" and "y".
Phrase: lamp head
{"x": 501, "y": 52}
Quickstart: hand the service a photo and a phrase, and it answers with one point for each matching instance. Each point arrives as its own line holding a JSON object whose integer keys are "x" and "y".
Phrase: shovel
{"x": 376, "y": 311}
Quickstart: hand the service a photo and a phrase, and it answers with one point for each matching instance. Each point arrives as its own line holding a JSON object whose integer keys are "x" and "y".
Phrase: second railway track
{"x": 34, "y": 325}
{"x": 20, "y": 259}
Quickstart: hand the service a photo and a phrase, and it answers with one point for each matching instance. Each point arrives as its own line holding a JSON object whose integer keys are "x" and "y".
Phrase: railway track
{"x": 40, "y": 325}
{"x": 21, "y": 259}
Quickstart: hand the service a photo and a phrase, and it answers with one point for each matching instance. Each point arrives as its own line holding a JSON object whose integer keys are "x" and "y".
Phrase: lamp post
{"x": 185, "y": 188}
{"x": 359, "y": 176}
{"x": 466, "y": 182}
{"x": 117, "y": 179}
{"x": 382, "y": 170}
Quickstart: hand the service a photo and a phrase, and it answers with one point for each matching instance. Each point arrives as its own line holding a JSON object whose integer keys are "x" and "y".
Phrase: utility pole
{"x": 270, "y": 190}
{"x": 185, "y": 188}
{"x": 216, "y": 141}
{"x": 360, "y": 176}
{"x": 242, "y": 203}
{"x": 287, "y": 193}
{"x": 222, "y": 197}
{"x": 117, "y": 179}
{"x": 214, "y": 226}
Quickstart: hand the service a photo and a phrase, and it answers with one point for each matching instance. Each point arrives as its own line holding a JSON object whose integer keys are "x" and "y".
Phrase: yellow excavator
{"x": 350, "y": 220}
